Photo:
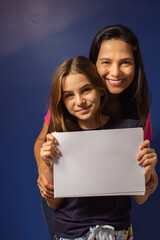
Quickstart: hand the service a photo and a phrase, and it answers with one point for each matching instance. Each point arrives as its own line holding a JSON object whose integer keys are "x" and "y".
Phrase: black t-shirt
{"x": 76, "y": 215}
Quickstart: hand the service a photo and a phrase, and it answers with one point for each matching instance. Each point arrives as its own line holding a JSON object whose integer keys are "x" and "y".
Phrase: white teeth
{"x": 115, "y": 81}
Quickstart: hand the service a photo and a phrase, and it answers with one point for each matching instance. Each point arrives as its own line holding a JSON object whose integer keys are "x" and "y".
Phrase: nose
{"x": 115, "y": 70}
{"x": 79, "y": 99}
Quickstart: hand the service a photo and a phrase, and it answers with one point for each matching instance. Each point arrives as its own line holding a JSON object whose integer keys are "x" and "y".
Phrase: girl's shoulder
{"x": 114, "y": 123}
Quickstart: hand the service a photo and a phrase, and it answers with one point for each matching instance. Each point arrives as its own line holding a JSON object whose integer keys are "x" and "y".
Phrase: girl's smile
{"x": 84, "y": 110}
{"x": 115, "y": 64}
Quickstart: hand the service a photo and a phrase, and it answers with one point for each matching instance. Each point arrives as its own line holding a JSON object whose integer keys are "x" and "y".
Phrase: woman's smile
{"x": 114, "y": 82}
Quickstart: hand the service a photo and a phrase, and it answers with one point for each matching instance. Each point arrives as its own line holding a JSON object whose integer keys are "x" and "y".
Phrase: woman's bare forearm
{"x": 37, "y": 146}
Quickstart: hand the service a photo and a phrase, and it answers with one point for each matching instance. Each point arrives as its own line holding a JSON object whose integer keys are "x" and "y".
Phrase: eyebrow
{"x": 86, "y": 85}
{"x": 127, "y": 58}
{"x": 122, "y": 59}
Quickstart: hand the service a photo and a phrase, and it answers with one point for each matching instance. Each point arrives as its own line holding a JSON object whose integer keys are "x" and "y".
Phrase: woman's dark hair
{"x": 135, "y": 99}
{"x": 60, "y": 119}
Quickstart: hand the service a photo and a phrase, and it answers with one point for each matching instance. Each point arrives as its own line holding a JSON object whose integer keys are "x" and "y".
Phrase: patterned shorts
{"x": 104, "y": 232}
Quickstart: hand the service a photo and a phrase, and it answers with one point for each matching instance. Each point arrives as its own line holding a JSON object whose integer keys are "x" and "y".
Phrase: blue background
{"x": 35, "y": 37}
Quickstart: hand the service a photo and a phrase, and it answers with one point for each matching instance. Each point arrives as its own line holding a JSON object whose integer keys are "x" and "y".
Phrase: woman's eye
{"x": 125, "y": 63}
{"x": 106, "y": 62}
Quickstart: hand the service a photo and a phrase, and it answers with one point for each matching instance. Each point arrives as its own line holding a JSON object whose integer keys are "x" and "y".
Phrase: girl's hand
{"x": 152, "y": 184}
{"x": 147, "y": 158}
{"x": 49, "y": 150}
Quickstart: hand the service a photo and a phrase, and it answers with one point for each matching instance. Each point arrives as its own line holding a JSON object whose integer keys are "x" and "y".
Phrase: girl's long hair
{"x": 135, "y": 99}
{"x": 60, "y": 119}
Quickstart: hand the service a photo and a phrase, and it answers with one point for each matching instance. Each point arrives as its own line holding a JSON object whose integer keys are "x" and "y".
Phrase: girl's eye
{"x": 86, "y": 90}
{"x": 68, "y": 96}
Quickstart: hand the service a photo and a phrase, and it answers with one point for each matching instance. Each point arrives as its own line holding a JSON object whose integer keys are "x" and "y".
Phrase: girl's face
{"x": 81, "y": 98}
{"x": 115, "y": 64}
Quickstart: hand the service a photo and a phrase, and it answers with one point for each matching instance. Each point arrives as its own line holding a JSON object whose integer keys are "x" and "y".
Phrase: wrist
{"x": 42, "y": 166}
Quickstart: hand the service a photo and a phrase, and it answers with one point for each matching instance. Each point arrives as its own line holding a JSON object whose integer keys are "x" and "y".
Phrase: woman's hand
{"x": 49, "y": 150}
{"x": 45, "y": 182}
{"x": 147, "y": 158}
{"x": 46, "y": 188}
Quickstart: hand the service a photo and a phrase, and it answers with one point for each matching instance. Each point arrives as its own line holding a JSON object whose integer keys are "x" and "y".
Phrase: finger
{"x": 145, "y": 144}
{"x": 49, "y": 151}
{"x": 56, "y": 151}
{"x": 43, "y": 183}
{"x": 148, "y": 159}
{"x": 46, "y": 186}
{"x": 50, "y": 137}
{"x": 143, "y": 152}
{"x": 46, "y": 193}
{"x": 47, "y": 196}
{"x": 48, "y": 145}
{"x": 48, "y": 154}
{"x": 49, "y": 162}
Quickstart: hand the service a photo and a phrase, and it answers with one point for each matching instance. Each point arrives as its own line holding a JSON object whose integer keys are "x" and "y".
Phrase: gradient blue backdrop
{"x": 35, "y": 37}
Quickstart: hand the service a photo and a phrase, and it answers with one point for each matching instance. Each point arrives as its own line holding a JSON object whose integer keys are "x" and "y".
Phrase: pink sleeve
{"x": 47, "y": 117}
{"x": 148, "y": 128}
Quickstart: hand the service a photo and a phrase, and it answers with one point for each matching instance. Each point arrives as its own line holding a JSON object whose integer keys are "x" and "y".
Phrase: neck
{"x": 93, "y": 123}
{"x": 114, "y": 104}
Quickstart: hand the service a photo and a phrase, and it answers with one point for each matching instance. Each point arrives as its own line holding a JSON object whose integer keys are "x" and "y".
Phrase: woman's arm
{"x": 54, "y": 202}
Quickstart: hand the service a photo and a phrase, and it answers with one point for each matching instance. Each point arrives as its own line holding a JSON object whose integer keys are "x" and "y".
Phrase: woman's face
{"x": 115, "y": 64}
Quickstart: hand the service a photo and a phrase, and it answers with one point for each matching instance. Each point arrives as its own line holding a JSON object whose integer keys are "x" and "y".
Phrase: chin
{"x": 116, "y": 92}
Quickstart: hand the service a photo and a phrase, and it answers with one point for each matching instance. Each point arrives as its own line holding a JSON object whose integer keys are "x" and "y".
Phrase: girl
{"x": 115, "y": 50}
{"x": 78, "y": 102}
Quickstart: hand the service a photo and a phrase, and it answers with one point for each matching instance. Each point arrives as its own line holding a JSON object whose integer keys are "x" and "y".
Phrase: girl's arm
{"x": 148, "y": 159}
{"x": 54, "y": 203}
{"x": 150, "y": 188}
{"x": 48, "y": 152}
{"x": 43, "y": 181}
